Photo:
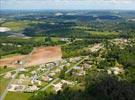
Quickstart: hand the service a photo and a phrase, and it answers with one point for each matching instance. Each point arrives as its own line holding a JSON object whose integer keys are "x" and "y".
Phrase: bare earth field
{"x": 39, "y": 56}
{"x": 11, "y": 61}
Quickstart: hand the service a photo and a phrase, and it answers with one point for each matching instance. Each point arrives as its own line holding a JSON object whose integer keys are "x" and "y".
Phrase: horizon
{"x": 67, "y": 5}
{"x": 66, "y": 10}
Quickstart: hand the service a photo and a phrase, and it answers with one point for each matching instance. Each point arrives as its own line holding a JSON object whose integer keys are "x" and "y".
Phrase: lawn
{"x": 2, "y": 70}
{"x": 55, "y": 39}
{"x": 38, "y": 39}
{"x": 50, "y": 90}
{"x": 18, "y": 96}
{"x": 3, "y": 84}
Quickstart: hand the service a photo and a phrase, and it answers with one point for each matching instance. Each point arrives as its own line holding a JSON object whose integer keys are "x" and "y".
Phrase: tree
{"x": 5, "y": 67}
{"x": 48, "y": 39}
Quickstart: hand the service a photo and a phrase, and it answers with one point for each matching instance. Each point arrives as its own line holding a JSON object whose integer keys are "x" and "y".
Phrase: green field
{"x": 2, "y": 70}
{"x": 10, "y": 55}
{"x": 3, "y": 84}
{"x": 18, "y": 96}
{"x": 104, "y": 33}
{"x": 16, "y": 26}
{"x": 42, "y": 39}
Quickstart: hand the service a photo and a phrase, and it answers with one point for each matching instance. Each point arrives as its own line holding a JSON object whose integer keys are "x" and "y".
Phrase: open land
{"x": 44, "y": 55}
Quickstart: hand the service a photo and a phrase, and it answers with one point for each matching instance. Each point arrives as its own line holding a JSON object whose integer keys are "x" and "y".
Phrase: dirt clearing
{"x": 38, "y": 56}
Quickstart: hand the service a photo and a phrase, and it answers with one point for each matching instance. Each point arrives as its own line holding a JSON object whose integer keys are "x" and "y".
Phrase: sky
{"x": 68, "y": 4}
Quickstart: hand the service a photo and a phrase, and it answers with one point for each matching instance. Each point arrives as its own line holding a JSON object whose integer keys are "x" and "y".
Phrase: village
{"x": 58, "y": 74}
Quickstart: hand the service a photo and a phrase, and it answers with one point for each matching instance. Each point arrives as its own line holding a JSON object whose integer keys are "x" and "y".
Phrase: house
{"x": 68, "y": 64}
{"x": 39, "y": 82}
{"x": 63, "y": 61}
{"x": 115, "y": 70}
{"x": 22, "y": 76}
{"x": 85, "y": 65}
{"x": 75, "y": 59}
{"x": 33, "y": 79}
{"x": 57, "y": 70}
{"x": 33, "y": 72}
{"x": 77, "y": 68}
{"x": 96, "y": 47}
{"x": 8, "y": 75}
{"x": 79, "y": 71}
{"x": 47, "y": 78}
{"x": 67, "y": 82}
{"x": 50, "y": 64}
{"x": 65, "y": 39}
{"x": 57, "y": 63}
{"x": 31, "y": 88}
{"x": 22, "y": 70}
{"x": 15, "y": 87}
{"x": 57, "y": 87}
{"x": 52, "y": 74}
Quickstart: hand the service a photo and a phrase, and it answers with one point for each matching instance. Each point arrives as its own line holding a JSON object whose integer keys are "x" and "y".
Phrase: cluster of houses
{"x": 10, "y": 44}
{"x": 118, "y": 69}
{"x": 36, "y": 77}
{"x": 46, "y": 73}
{"x": 120, "y": 42}
{"x": 22, "y": 88}
{"x": 59, "y": 86}
{"x": 81, "y": 69}
{"x": 115, "y": 71}
{"x": 96, "y": 47}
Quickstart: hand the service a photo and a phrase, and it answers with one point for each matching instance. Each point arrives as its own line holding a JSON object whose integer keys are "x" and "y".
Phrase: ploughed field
{"x": 38, "y": 56}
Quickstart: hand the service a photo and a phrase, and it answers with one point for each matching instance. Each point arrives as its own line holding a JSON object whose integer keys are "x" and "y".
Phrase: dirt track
{"x": 39, "y": 56}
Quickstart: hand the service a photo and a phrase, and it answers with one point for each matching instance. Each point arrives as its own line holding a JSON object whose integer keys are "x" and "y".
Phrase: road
{"x": 44, "y": 73}
{"x": 50, "y": 84}
{"x": 75, "y": 65}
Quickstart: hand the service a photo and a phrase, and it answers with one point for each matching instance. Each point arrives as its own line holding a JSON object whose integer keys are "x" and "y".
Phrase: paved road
{"x": 75, "y": 65}
{"x": 43, "y": 73}
{"x": 50, "y": 84}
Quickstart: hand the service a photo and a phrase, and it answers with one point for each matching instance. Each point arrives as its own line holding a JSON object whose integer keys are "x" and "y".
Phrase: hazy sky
{"x": 68, "y": 4}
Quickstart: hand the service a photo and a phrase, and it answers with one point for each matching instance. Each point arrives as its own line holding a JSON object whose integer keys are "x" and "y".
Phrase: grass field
{"x": 42, "y": 39}
{"x": 104, "y": 33}
{"x": 3, "y": 84}
{"x": 10, "y": 55}
{"x": 16, "y": 26}
{"x": 18, "y": 96}
{"x": 2, "y": 70}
